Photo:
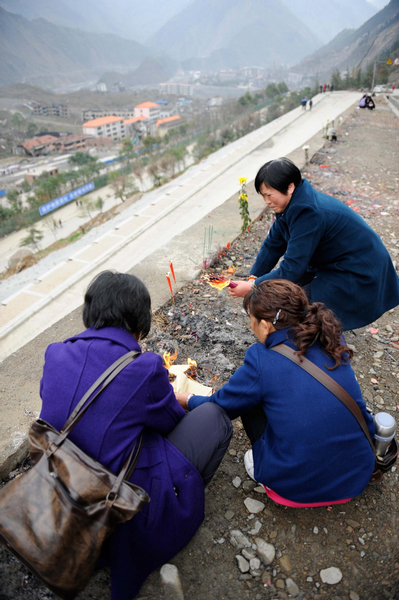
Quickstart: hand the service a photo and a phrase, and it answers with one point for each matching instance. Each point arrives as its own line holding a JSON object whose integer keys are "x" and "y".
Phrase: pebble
{"x": 221, "y": 541}
{"x": 354, "y": 596}
{"x": 256, "y": 572}
{"x": 254, "y": 563}
{"x": 253, "y": 506}
{"x": 265, "y": 551}
{"x": 292, "y": 587}
{"x": 280, "y": 584}
{"x": 285, "y": 563}
{"x": 236, "y": 482}
{"x": 309, "y": 579}
{"x": 362, "y": 554}
{"x": 171, "y": 583}
{"x": 229, "y": 514}
{"x": 260, "y": 489}
{"x": 248, "y": 486}
{"x": 256, "y": 528}
{"x": 332, "y": 575}
{"x": 362, "y": 541}
{"x": 238, "y": 539}
{"x": 243, "y": 564}
{"x": 378, "y": 354}
{"x": 248, "y": 553}
{"x": 315, "y": 530}
{"x": 352, "y": 523}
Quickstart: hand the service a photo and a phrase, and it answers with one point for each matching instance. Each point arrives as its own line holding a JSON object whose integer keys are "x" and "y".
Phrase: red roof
{"x": 40, "y": 141}
{"x": 102, "y": 121}
{"x": 147, "y": 105}
{"x": 135, "y": 119}
{"x": 168, "y": 120}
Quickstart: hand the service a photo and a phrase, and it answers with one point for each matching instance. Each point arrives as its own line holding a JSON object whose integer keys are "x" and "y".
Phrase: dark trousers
{"x": 203, "y": 436}
{"x": 254, "y": 422}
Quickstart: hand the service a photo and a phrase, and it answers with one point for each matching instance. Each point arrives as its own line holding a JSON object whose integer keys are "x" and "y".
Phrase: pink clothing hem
{"x": 291, "y": 504}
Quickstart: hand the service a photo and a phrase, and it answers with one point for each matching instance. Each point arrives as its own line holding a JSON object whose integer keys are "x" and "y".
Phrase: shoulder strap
{"x": 329, "y": 383}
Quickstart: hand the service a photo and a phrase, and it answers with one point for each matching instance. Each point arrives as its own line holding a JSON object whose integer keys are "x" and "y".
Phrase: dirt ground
{"x": 358, "y": 539}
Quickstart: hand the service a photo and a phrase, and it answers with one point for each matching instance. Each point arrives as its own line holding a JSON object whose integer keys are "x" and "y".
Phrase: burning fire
{"x": 191, "y": 370}
{"x": 219, "y": 282}
{"x": 169, "y": 359}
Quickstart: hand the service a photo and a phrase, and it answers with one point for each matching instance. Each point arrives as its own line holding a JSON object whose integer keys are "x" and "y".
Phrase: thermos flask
{"x": 385, "y": 428}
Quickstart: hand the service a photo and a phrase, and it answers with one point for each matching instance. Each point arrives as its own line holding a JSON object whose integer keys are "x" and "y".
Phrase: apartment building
{"x": 50, "y": 110}
{"x": 177, "y": 88}
{"x": 92, "y": 113}
{"x": 149, "y": 110}
{"x": 111, "y": 127}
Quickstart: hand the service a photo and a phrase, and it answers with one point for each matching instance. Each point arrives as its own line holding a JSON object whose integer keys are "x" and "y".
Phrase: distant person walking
{"x": 321, "y": 88}
{"x": 304, "y": 102}
{"x": 324, "y": 88}
{"x": 310, "y": 104}
{"x": 331, "y": 88}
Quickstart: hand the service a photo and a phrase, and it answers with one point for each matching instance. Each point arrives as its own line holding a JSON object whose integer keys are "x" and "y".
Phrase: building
{"x": 51, "y": 144}
{"x": 111, "y": 127}
{"x": 149, "y": 110}
{"x": 177, "y": 88}
{"x": 50, "y": 110}
{"x": 34, "y": 173}
{"x": 92, "y": 113}
{"x": 164, "y": 125}
{"x": 140, "y": 126}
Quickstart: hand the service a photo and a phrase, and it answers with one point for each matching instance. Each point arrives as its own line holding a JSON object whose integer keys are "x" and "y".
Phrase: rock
{"x": 362, "y": 554}
{"x": 254, "y": 563}
{"x": 248, "y": 486}
{"x": 238, "y": 540}
{"x": 332, "y": 575}
{"x": 354, "y": 596}
{"x": 280, "y": 584}
{"x": 171, "y": 583}
{"x": 309, "y": 579}
{"x": 19, "y": 255}
{"x": 260, "y": 489}
{"x": 236, "y": 482}
{"x": 248, "y": 553}
{"x": 315, "y": 530}
{"x": 378, "y": 354}
{"x": 243, "y": 564}
{"x": 285, "y": 563}
{"x": 352, "y": 347}
{"x": 265, "y": 551}
{"x": 253, "y": 506}
{"x": 292, "y": 587}
{"x": 256, "y": 528}
{"x": 353, "y": 524}
{"x": 256, "y": 572}
{"x": 229, "y": 514}
{"x": 361, "y": 541}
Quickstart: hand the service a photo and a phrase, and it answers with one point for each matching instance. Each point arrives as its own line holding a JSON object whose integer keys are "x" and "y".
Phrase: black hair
{"x": 278, "y": 174}
{"x": 118, "y": 300}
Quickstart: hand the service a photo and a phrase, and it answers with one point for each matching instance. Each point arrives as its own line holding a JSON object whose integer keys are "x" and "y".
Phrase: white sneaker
{"x": 249, "y": 464}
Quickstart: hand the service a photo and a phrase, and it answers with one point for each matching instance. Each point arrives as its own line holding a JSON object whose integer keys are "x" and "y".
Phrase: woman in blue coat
{"x": 326, "y": 247}
{"x": 179, "y": 454}
{"x": 307, "y": 447}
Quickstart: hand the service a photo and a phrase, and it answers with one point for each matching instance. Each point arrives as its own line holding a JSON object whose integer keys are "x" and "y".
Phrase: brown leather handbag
{"x": 382, "y": 463}
{"x": 55, "y": 517}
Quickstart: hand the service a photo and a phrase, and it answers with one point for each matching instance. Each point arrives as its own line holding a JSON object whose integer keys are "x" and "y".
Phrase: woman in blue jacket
{"x": 307, "y": 447}
{"x": 179, "y": 454}
{"x": 326, "y": 247}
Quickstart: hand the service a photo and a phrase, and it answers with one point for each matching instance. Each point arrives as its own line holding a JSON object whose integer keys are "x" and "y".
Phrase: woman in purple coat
{"x": 179, "y": 454}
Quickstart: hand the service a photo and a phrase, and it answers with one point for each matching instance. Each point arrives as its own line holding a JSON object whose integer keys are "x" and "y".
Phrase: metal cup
{"x": 385, "y": 428}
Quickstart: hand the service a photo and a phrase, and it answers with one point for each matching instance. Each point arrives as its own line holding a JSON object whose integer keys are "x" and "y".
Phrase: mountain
{"x": 350, "y": 47}
{"x": 331, "y": 16}
{"x": 238, "y": 32}
{"x": 39, "y": 52}
{"x": 125, "y": 18}
{"x": 150, "y": 72}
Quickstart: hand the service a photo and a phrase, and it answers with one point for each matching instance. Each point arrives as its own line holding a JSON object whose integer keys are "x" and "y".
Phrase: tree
{"x": 17, "y": 120}
{"x": 33, "y": 239}
{"x": 154, "y": 171}
{"x": 122, "y": 184}
{"x": 5, "y": 213}
{"x": 87, "y": 208}
{"x": 15, "y": 201}
{"x": 99, "y": 204}
{"x": 282, "y": 87}
{"x": 79, "y": 159}
{"x": 31, "y": 130}
{"x": 25, "y": 186}
{"x": 272, "y": 90}
{"x": 51, "y": 224}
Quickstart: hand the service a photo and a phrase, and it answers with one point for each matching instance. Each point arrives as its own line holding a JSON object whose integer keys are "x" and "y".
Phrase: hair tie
{"x": 277, "y": 316}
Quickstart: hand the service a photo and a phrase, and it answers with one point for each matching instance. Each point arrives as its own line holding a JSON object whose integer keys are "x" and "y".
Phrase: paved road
{"x": 43, "y": 294}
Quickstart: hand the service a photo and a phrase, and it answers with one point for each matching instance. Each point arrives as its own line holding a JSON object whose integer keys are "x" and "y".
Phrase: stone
{"x": 254, "y": 563}
{"x": 353, "y": 524}
{"x": 266, "y": 551}
{"x": 292, "y": 587}
{"x": 238, "y": 540}
{"x": 253, "y": 506}
{"x": 378, "y": 354}
{"x": 248, "y": 553}
{"x": 315, "y": 530}
{"x": 285, "y": 563}
{"x": 256, "y": 572}
{"x": 236, "y": 482}
{"x": 248, "y": 486}
{"x": 171, "y": 584}
{"x": 256, "y": 528}
{"x": 332, "y": 575}
{"x": 280, "y": 584}
{"x": 362, "y": 541}
{"x": 243, "y": 564}
{"x": 309, "y": 579}
{"x": 260, "y": 489}
{"x": 354, "y": 596}
{"x": 228, "y": 515}
{"x": 18, "y": 256}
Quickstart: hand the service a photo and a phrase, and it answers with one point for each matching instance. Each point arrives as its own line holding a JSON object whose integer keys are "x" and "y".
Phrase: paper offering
{"x": 182, "y": 383}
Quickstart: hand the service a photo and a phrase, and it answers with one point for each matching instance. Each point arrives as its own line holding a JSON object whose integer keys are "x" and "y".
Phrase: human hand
{"x": 182, "y": 398}
{"x": 241, "y": 289}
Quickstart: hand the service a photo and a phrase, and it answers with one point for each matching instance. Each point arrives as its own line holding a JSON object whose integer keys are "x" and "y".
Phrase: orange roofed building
{"x": 163, "y": 125}
{"x": 148, "y": 110}
{"x": 111, "y": 127}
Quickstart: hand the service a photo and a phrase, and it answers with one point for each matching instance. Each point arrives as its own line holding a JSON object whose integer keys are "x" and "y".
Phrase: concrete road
{"x": 155, "y": 221}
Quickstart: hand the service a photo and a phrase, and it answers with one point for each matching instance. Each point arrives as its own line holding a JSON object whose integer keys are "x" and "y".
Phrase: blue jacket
{"x": 139, "y": 399}
{"x": 313, "y": 449}
{"x": 355, "y": 276}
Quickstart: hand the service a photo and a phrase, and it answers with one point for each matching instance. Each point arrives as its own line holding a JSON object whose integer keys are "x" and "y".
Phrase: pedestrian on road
{"x": 307, "y": 448}
{"x": 327, "y": 248}
{"x": 310, "y": 104}
{"x": 321, "y": 88}
{"x": 304, "y": 102}
{"x": 180, "y": 453}
{"x": 331, "y": 88}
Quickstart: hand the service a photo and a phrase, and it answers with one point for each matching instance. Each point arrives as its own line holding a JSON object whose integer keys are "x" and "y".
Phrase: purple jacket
{"x": 139, "y": 399}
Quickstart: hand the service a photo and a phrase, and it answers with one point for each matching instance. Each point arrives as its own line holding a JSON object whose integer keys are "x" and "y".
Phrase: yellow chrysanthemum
{"x": 243, "y": 180}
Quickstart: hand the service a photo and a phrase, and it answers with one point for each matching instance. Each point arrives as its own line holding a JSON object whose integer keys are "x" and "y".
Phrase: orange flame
{"x": 191, "y": 370}
{"x": 169, "y": 359}
{"x": 218, "y": 282}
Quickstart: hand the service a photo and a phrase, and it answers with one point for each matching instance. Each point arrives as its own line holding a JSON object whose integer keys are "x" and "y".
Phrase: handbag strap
{"x": 329, "y": 383}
